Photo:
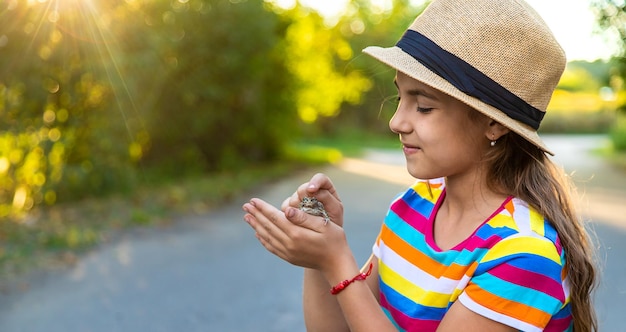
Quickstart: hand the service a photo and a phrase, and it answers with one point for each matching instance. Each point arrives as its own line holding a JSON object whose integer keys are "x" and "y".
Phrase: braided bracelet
{"x": 361, "y": 276}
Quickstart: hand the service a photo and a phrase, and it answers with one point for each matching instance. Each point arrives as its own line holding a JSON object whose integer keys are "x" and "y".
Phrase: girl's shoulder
{"x": 518, "y": 220}
{"x": 521, "y": 236}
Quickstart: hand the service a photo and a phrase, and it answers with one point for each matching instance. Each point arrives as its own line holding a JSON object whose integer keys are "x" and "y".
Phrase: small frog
{"x": 314, "y": 207}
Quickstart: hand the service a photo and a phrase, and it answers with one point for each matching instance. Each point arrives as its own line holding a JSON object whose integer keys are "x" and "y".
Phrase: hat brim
{"x": 403, "y": 62}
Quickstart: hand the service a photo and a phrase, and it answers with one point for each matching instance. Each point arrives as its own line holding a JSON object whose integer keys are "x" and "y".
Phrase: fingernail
{"x": 252, "y": 203}
{"x": 311, "y": 186}
{"x": 291, "y": 213}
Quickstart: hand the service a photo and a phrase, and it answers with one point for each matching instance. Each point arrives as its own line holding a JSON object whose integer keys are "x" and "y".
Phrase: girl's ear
{"x": 495, "y": 130}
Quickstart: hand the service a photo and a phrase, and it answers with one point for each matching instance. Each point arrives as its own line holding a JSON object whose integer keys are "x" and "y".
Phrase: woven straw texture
{"x": 506, "y": 40}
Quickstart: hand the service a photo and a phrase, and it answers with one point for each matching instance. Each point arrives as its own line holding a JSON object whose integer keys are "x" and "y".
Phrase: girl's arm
{"x": 307, "y": 241}
{"x": 460, "y": 316}
{"x": 321, "y": 309}
{"x": 322, "y": 249}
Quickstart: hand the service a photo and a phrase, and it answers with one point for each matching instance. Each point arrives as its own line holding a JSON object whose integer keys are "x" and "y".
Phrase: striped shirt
{"x": 511, "y": 269}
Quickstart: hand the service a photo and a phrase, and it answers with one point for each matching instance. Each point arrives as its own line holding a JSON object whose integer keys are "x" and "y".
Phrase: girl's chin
{"x": 415, "y": 172}
{"x": 419, "y": 172}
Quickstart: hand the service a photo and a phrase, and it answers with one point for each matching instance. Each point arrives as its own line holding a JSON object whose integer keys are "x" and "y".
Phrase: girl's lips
{"x": 408, "y": 149}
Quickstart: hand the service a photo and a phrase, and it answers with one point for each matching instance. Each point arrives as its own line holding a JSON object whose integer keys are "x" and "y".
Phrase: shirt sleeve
{"x": 376, "y": 246}
{"x": 519, "y": 282}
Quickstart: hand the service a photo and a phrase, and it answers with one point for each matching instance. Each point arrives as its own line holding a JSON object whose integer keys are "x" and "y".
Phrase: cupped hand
{"x": 321, "y": 187}
{"x": 297, "y": 237}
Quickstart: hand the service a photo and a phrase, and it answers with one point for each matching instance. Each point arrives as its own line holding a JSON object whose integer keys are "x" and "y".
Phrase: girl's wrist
{"x": 343, "y": 267}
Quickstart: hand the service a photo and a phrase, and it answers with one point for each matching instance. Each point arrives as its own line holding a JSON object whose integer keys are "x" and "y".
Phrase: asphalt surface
{"x": 208, "y": 273}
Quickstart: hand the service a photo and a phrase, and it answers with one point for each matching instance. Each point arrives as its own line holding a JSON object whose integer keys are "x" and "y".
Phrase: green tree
{"x": 212, "y": 82}
{"x": 364, "y": 25}
{"x": 317, "y": 55}
{"x": 57, "y": 133}
{"x": 93, "y": 93}
{"x": 611, "y": 15}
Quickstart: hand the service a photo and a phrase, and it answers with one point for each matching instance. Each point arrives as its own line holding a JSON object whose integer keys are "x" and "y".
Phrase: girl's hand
{"x": 299, "y": 238}
{"x": 321, "y": 187}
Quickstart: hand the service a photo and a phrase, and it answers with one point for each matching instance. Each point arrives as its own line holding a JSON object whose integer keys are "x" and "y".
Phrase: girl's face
{"x": 439, "y": 139}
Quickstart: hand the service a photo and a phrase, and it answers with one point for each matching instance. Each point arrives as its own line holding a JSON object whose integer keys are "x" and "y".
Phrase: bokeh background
{"x": 123, "y": 114}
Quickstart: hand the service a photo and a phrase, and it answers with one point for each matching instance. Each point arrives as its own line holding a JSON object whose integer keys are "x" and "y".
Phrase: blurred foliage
{"x": 58, "y": 138}
{"x": 218, "y": 93}
{"x": 195, "y": 99}
{"x": 578, "y": 79}
{"x": 611, "y": 16}
{"x": 578, "y": 122}
{"x": 70, "y": 229}
{"x": 364, "y": 25}
{"x": 98, "y": 97}
{"x": 312, "y": 55}
{"x": 618, "y": 133}
{"x": 95, "y": 96}
{"x": 583, "y": 103}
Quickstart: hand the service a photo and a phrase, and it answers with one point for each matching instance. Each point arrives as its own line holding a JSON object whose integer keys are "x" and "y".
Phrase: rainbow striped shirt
{"x": 509, "y": 270}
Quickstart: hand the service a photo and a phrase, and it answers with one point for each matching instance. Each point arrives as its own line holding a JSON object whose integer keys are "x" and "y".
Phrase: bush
{"x": 182, "y": 86}
{"x": 59, "y": 123}
{"x": 618, "y": 133}
{"x": 577, "y": 122}
{"x": 222, "y": 97}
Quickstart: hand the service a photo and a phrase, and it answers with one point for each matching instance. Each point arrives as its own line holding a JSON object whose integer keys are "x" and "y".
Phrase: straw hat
{"x": 497, "y": 56}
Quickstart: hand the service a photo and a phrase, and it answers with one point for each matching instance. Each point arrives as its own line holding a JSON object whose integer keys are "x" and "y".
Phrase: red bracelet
{"x": 361, "y": 276}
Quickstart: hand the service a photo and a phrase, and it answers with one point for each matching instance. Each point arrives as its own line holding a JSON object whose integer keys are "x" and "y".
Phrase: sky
{"x": 571, "y": 21}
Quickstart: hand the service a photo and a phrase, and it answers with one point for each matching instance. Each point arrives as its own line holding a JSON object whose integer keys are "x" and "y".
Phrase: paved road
{"x": 208, "y": 273}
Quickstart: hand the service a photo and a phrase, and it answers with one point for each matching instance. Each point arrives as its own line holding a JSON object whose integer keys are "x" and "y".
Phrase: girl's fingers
{"x": 293, "y": 201}
{"x": 302, "y": 219}
{"x": 287, "y": 221}
{"x": 263, "y": 218}
{"x": 333, "y": 207}
{"x": 319, "y": 186}
{"x": 293, "y": 236}
{"x": 297, "y": 237}
{"x": 320, "y": 182}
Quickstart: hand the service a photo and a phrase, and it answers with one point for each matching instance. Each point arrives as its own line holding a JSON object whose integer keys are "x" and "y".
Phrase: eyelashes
{"x": 424, "y": 110}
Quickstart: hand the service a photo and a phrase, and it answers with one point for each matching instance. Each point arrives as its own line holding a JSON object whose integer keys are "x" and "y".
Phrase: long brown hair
{"x": 516, "y": 167}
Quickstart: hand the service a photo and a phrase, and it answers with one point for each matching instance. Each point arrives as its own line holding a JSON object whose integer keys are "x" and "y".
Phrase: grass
{"x": 350, "y": 144}
{"x": 57, "y": 235}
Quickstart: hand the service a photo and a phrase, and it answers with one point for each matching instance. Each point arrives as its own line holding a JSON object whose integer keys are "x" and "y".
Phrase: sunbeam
{"x": 64, "y": 99}
{"x": 87, "y": 33}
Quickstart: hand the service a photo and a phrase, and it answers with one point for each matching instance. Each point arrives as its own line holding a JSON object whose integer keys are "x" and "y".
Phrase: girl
{"x": 487, "y": 239}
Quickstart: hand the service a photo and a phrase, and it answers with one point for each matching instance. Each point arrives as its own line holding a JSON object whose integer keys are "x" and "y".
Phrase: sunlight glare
{"x": 572, "y": 22}
{"x": 79, "y": 24}
{"x": 285, "y": 4}
{"x": 381, "y": 6}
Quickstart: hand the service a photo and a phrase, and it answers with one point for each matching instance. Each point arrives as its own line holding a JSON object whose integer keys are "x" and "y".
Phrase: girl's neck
{"x": 466, "y": 205}
{"x": 470, "y": 197}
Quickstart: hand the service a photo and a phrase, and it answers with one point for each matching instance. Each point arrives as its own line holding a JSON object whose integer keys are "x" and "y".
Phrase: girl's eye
{"x": 424, "y": 110}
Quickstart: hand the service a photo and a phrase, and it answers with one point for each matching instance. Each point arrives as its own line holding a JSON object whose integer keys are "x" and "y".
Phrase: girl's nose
{"x": 398, "y": 123}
